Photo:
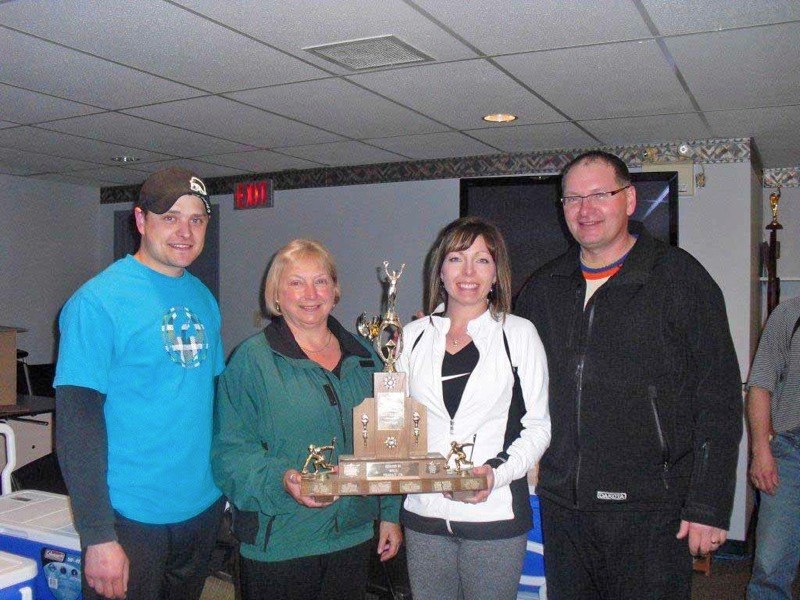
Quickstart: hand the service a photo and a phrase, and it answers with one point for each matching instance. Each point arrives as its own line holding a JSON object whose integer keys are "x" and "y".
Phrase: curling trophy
{"x": 390, "y": 432}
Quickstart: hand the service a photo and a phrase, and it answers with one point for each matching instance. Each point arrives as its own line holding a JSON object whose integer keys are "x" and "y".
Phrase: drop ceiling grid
{"x": 672, "y": 18}
{"x": 142, "y": 134}
{"x": 745, "y": 68}
{"x": 458, "y": 94}
{"x": 338, "y": 105}
{"x": 616, "y": 80}
{"x": 277, "y": 22}
{"x": 231, "y": 120}
{"x": 25, "y": 107}
{"x": 73, "y": 75}
{"x": 767, "y": 125}
{"x": 260, "y": 161}
{"x": 433, "y": 145}
{"x": 161, "y": 39}
{"x": 505, "y": 26}
{"x": 531, "y": 138}
{"x": 33, "y": 139}
{"x": 23, "y": 163}
{"x": 656, "y": 128}
{"x": 343, "y": 153}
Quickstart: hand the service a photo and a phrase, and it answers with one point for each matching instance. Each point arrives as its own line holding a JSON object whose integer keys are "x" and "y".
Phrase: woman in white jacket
{"x": 482, "y": 374}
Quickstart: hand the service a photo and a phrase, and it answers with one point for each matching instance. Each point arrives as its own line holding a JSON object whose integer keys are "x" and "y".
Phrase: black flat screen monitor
{"x": 528, "y": 212}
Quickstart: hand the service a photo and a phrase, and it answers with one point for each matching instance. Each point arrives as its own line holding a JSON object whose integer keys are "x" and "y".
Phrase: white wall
{"x": 47, "y": 236}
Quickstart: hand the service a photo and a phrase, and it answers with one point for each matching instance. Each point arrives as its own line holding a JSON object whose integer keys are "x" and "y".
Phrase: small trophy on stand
{"x": 391, "y": 431}
{"x": 773, "y": 253}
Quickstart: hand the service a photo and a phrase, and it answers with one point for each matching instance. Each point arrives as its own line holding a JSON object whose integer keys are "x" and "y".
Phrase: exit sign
{"x": 252, "y": 194}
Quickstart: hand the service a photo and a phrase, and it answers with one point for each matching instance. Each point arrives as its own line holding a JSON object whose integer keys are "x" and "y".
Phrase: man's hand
{"x": 703, "y": 539}
{"x": 107, "y": 569}
{"x": 390, "y": 536}
{"x": 764, "y": 471}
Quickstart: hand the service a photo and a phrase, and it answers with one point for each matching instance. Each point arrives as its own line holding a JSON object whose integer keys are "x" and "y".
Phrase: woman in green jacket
{"x": 291, "y": 385}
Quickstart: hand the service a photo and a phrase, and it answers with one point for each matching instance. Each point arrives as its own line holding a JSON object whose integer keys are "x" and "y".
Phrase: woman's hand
{"x": 291, "y": 483}
{"x": 390, "y": 536}
{"x": 480, "y": 495}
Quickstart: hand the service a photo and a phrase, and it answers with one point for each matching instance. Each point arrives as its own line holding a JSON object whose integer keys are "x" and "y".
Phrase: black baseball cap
{"x": 163, "y": 188}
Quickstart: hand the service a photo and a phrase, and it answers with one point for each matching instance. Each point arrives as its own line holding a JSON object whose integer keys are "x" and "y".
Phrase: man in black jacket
{"x": 645, "y": 400}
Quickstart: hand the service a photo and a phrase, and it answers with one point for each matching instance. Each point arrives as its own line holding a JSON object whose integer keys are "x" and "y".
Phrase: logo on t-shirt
{"x": 184, "y": 337}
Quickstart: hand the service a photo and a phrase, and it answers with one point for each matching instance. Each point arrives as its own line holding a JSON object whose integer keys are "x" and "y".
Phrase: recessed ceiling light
{"x": 500, "y": 118}
{"x": 125, "y": 159}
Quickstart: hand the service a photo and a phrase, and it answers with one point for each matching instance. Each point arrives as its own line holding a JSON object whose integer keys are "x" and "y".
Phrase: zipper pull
{"x": 452, "y": 426}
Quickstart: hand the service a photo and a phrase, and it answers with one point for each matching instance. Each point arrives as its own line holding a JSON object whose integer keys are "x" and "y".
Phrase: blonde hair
{"x": 291, "y": 253}
{"x": 460, "y": 235}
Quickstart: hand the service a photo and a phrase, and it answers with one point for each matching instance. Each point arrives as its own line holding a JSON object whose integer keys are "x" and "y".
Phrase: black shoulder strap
{"x": 508, "y": 352}
{"x": 416, "y": 341}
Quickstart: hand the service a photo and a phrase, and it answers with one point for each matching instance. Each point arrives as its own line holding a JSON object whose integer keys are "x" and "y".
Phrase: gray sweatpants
{"x": 451, "y": 568}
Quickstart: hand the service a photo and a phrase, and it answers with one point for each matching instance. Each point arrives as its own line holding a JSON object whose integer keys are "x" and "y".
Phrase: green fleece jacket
{"x": 272, "y": 402}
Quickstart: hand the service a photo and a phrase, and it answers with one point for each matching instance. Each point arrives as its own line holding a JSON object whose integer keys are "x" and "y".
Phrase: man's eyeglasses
{"x": 573, "y": 201}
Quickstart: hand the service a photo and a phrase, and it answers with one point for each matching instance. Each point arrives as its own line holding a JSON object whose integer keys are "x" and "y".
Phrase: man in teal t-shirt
{"x": 140, "y": 349}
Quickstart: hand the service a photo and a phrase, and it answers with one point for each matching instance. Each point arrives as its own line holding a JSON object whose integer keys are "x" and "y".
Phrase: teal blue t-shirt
{"x": 151, "y": 343}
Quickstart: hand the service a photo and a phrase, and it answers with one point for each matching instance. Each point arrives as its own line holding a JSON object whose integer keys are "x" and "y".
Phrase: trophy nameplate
{"x": 390, "y": 433}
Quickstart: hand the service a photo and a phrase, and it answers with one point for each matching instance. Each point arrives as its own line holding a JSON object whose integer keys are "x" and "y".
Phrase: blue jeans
{"x": 778, "y": 531}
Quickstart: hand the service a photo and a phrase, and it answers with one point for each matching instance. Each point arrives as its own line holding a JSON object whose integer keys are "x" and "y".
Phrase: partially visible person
{"x": 140, "y": 348}
{"x": 773, "y": 416}
{"x": 482, "y": 375}
{"x": 291, "y": 385}
{"x": 645, "y": 397}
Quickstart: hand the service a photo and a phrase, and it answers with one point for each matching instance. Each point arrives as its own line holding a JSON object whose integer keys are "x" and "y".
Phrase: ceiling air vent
{"x": 369, "y": 53}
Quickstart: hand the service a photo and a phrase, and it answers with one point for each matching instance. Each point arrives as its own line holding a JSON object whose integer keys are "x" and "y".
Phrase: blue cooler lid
{"x": 16, "y": 569}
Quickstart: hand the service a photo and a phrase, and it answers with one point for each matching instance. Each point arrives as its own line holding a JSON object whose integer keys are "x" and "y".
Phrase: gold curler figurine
{"x": 318, "y": 460}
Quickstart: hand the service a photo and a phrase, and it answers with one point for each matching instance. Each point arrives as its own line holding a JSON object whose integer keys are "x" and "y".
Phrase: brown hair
{"x": 460, "y": 235}
{"x": 621, "y": 173}
{"x": 292, "y": 252}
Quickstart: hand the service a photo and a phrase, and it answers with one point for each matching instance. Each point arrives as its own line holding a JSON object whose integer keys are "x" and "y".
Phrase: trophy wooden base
{"x": 371, "y": 477}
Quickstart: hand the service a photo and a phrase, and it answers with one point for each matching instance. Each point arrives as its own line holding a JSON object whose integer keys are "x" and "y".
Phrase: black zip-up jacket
{"x": 645, "y": 389}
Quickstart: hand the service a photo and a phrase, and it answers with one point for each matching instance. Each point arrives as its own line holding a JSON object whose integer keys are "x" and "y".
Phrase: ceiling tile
{"x": 580, "y": 82}
{"x": 531, "y": 138}
{"x": 343, "y": 153}
{"x": 24, "y": 107}
{"x": 20, "y": 162}
{"x": 505, "y": 26}
{"x": 162, "y": 39}
{"x": 68, "y": 178}
{"x": 338, "y": 105}
{"x": 260, "y": 161}
{"x": 202, "y": 168}
{"x": 458, "y": 94}
{"x": 38, "y": 65}
{"x": 710, "y": 15}
{"x": 234, "y": 121}
{"x": 141, "y": 134}
{"x": 33, "y": 139}
{"x": 434, "y": 145}
{"x": 109, "y": 176}
{"x": 774, "y": 131}
{"x": 295, "y": 25}
{"x": 751, "y": 67}
{"x": 654, "y": 128}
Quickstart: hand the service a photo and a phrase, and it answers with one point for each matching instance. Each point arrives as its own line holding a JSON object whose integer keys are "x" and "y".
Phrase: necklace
{"x": 328, "y": 343}
{"x": 455, "y": 341}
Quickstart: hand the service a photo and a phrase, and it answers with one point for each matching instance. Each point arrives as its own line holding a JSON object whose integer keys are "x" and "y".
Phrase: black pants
{"x": 614, "y": 555}
{"x": 339, "y": 575}
{"x": 167, "y": 562}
